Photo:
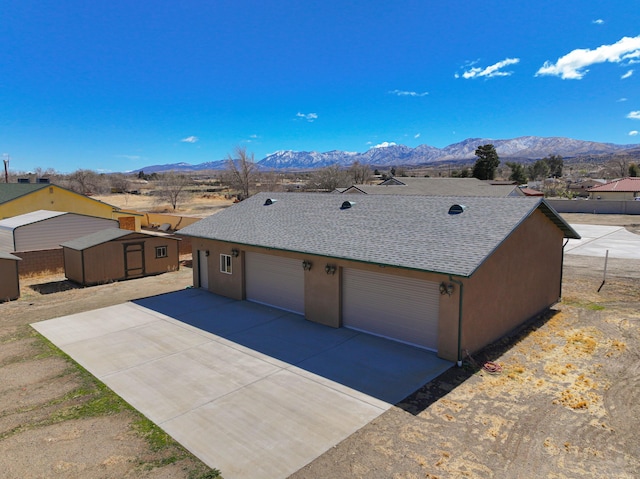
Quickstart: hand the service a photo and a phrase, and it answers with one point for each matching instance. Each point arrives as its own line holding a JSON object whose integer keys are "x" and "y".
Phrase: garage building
{"x": 444, "y": 273}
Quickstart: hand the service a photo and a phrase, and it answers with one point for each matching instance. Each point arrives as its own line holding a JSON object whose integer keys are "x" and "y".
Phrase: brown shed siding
{"x": 9, "y": 283}
{"x": 106, "y": 262}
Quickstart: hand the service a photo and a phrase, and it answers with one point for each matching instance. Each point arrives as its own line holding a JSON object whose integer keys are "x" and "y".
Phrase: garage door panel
{"x": 275, "y": 281}
{"x": 401, "y": 308}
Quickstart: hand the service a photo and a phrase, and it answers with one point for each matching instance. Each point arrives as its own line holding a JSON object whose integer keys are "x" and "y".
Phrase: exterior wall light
{"x": 235, "y": 252}
{"x": 446, "y": 288}
{"x": 206, "y": 253}
{"x": 330, "y": 269}
{"x": 306, "y": 265}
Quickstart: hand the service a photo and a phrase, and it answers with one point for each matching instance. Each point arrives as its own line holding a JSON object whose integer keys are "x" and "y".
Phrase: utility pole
{"x": 6, "y": 167}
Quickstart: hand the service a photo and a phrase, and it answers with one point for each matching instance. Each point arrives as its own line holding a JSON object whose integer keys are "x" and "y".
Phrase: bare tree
{"x": 172, "y": 187}
{"x": 360, "y": 173}
{"x": 329, "y": 178}
{"x": 88, "y": 182}
{"x": 241, "y": 171}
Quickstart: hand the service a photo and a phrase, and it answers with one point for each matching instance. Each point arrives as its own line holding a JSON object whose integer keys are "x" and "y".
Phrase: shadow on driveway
{"x": 381, "y": 368}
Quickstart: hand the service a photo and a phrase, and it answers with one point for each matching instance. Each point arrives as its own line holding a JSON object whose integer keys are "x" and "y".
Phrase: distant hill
{"x": 522, "y": 148}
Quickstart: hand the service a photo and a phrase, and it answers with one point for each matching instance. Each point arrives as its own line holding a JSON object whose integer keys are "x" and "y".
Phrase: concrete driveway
{"x": 596, "y": 240}
{"x": 251, "y": 390}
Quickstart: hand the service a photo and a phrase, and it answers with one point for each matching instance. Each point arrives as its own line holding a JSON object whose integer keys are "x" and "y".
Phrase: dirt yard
{"x": 191, "y": 204}
{"x": 565, "y": 405}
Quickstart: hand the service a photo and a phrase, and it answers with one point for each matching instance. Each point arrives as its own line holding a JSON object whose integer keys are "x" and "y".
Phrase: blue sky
{"x": 116, "y": 85}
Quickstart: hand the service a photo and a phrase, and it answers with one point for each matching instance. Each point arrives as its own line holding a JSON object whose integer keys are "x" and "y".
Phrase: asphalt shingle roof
{"x": 11, "y": 191}
{"x": 438, "y": 187}
{"x": 415, "y": 232}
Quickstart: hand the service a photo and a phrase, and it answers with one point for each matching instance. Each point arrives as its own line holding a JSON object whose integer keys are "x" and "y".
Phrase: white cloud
{"x": 633, "y": 133}
{"x": 622, "y": 99}
{"x": 634, "y": 115}
{"x": 573, "y": 65}
{"x": 599, "y": 21}
{"x": 490, "y": 71}
{"x": 627, "y": 75}
{"x": 408, "y": 93}
{"x": 416, "y": 136}
{"x": 129, "y": 157}
{"x": 190, "y": 139}
{"x": 307, "y": 116}
{"x": 384, "y": 144}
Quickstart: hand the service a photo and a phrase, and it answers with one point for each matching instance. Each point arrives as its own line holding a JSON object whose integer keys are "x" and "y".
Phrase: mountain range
{"x": 390, "y": 154}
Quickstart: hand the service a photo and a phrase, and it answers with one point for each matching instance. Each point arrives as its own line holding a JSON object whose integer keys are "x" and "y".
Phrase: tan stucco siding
{"x": 322, "y": 291}
{"x": 613, "y": 195}
{"x": 9, "y": 283}
{"x": 54, "y": 198}
{"x": 519, "y": 280}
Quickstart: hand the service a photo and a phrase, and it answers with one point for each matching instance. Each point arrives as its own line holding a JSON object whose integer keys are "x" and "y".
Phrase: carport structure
{"x": 252, "y": 390}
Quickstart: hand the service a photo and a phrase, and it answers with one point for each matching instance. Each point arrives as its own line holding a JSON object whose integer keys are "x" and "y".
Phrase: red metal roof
{"x": 622, "y": 185}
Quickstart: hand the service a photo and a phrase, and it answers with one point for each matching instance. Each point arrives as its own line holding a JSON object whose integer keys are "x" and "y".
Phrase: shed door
{"x": 275, "y": 281}
{"x": 133, "y": 259}
{"x": 405, "y": 309}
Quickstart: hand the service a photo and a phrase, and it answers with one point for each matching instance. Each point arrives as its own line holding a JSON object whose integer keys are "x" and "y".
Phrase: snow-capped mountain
{"x": 390, "y": 154}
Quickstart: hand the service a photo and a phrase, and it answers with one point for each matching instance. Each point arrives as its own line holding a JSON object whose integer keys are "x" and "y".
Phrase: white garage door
{"x": 275, "y": 281}
{"x": 400, "y": 308}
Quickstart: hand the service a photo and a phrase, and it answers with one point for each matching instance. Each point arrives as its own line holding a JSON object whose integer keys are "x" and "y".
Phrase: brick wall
{"x": 35, "y": 262}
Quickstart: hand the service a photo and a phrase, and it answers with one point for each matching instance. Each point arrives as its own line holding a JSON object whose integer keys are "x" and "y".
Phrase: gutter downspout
{"x": 562, "y": 269}
{"x": 459, "y": 283}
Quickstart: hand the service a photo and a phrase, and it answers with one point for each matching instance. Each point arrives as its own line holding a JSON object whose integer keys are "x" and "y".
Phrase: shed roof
{"x": 30, "y": 218}
{"x": 623, "y": 185}
{"x": 437, "y": 187}
{"x": 415, "y": 232}
{"x": 104, "y": 236}
{"x": 6, "y": 255}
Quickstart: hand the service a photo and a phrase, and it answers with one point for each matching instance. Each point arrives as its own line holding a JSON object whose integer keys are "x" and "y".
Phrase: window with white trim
{"x": 161, "y": 252}
{"x": 225, "y": 263}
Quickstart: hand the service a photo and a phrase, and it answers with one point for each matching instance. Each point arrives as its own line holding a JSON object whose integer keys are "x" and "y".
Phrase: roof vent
{"x": 457, "y": 209}
{"x": 347, "y": 204}
{"x": 270, "y": 201}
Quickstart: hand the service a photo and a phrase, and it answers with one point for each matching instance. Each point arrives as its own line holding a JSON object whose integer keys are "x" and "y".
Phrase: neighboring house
{"x": 581, "y": 187}
{"x": 9, "y": 279}
{"x": 36, "y": 236}
{"x": 20, "y": 198}
{"x": 623, "y": 189}
{"x": 531, "y": 192}
{"x": 115, "y": 254}
{"x": 436, "y": 187}
{"x": 411, "y": 268}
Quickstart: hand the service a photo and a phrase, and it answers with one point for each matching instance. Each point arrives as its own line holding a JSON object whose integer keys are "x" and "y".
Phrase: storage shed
{"x": 9, "y": 282}
{"x": 44, "y": 229}
{"x": 115, "y": 254}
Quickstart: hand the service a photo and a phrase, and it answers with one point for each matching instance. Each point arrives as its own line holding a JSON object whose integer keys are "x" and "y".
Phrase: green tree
{"x": 634, "y": 170}
{"x": 487, "y": 162}
{"x": 518, "y": 172}
{"x": 555, "y": 164}
{"x": 539, "y": 170}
